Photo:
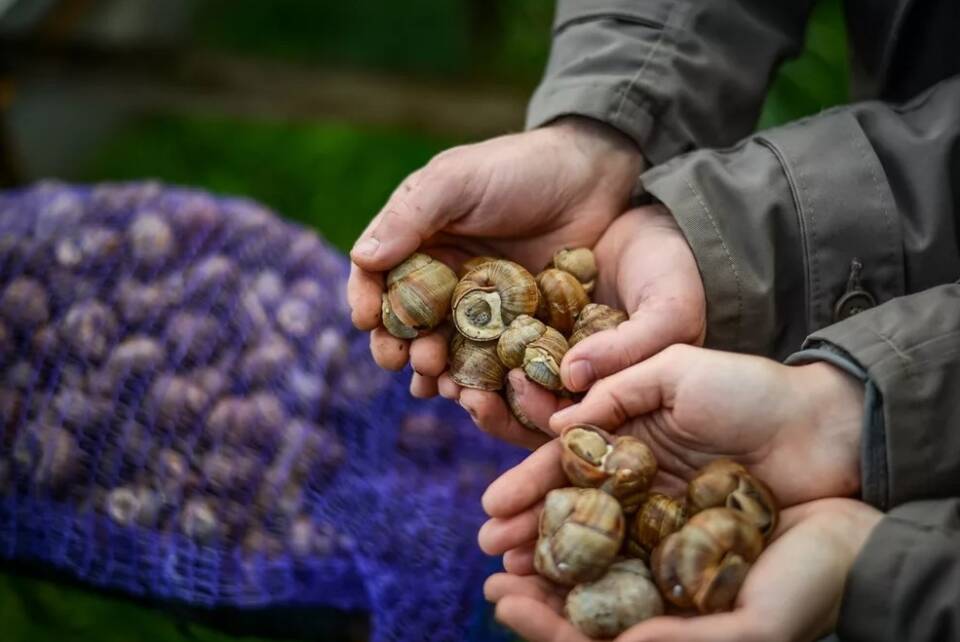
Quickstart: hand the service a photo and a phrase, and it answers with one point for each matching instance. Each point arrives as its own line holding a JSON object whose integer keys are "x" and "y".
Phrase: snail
{"x": 624, "y": 596}
{"x": 621, "y": 466}
{"x": 473, "y": 263}
{"x": 580, "y": 533}
{"x": 658, "y": 517}
{"x": 474, "y": 364}
{"x": 393, "y": 325}
{"x": 579, "y": 262}
{"x": 726, "y": 483}
{"x": 489, "y": 297}
{"x": 704, "y": 564}
{"x": 594, "y": 318}
{"x": 419, "y": 292}
{"x": 535, "y": 347}
{"x": 561, "y": 299}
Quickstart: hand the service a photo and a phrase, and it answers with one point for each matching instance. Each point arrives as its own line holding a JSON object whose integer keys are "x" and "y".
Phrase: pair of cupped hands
{"x": 526, "y": 195}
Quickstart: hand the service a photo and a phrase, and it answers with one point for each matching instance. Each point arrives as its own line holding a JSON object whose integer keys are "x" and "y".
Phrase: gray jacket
{"x": 813, "y": 231}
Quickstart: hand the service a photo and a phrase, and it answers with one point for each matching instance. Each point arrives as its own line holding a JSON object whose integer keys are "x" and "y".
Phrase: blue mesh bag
{"x": 186, "y": 414}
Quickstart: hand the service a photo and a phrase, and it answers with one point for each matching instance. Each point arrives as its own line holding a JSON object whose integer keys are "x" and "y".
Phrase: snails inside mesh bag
{"x": 187, "y": 413}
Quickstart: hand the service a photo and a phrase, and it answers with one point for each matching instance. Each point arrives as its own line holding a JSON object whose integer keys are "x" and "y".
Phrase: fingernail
{"x": 469, "y": 411}
{"x": 581, "y": 375}
{"x": 560, "y": 415}
{"x": 367, "y": 246}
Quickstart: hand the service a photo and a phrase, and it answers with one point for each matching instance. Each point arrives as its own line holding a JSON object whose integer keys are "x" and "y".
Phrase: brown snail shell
{"x": 621, "y": 466}
{"x": 489, "y": 297}
{"x": 657, "y": 518}
{"x": 704, "y": 564}
{"x": 419, "y": 291}
{"x": 473, "y": 263}
{"x": 581, "y": 530}
{"x": 594, "y": 318}
{"x": 561, "y": 299}
{"x": 510, "y": 394}
{"x": 474, "y": 364}
{"x": 580, "y": 262}
{"x": 726, "y": 483}
{"x": 542, "y": 357}
{"x": 392, "y": 324}
{"x": 624, "y": 596}
{"x": 513, "y": 343}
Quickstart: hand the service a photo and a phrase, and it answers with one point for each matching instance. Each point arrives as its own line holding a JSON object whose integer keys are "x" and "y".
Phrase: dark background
{"x": 316, "y": 107}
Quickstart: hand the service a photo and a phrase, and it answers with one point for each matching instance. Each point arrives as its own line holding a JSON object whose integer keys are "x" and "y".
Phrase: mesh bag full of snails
{"x": 622, "y": 552}
{"x": 186, "y": 414}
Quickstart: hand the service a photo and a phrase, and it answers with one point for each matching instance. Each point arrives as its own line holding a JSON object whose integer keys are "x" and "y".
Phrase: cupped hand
{"x": 646, "y": 268}
{"x": 521, "y": 197}
{"x": 793, "y": 592}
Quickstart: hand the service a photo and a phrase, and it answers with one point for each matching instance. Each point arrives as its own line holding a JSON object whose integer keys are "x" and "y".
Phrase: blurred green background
{"x": 316, "y": 107}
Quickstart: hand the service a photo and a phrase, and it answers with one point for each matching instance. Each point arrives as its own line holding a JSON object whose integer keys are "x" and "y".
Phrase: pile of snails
{"x": 623, "y": 549}
{"x": 505, "y": 317}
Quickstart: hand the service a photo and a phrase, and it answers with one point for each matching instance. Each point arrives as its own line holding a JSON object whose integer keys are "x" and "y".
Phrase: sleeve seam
{"x": 643, "y": 67}
{"x": 726, "y": 251}
{"x": 608, "y": 15}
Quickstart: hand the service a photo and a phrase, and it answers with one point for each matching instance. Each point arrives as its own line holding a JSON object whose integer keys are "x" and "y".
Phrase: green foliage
{"x": 818, "y": 78}
{"x": 332, "y": 176}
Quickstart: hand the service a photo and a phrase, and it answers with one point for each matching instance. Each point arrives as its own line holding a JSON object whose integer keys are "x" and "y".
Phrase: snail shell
{"x": 658, "y": 517}
{"x": 594, "y": 318}
{"x": 393, "y": 325}
{"x": 475, "y": 364}
{"x": 581, "y": 530}
{"x": 624, "y": 596}
{"x": 579, "y": 262}
{"x": 704, "y": 564}
{"x": 489, "y": 297}
{"x": 726, "y": 483}
{"x": 542, "y": 357}
{"x": 561, "y": 299}
{"x": 419, "y": 291}
{"x": 622, "y": 466}
{"x": 473, "y": 263}
{"x": 514, "y": 341}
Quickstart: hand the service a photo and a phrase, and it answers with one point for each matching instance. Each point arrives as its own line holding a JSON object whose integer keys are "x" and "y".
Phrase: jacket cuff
{"x": 903, "y": 583}
{"x": 778, "y": 220}
{"x": 909, "y": 348}
{"x": 607, "y": 85}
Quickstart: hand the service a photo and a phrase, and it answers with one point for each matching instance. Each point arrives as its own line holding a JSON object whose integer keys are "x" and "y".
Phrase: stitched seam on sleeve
{"x": 726, "y": 251}
{"x": 608, "y": 15}
{"x": 890, "y": 251}
{"x": 636, "y": 77}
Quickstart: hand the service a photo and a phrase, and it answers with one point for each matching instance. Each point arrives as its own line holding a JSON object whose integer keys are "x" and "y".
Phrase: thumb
{"x": 637, "y": 390}
{"x": 420, "y": 207}
{"x": 655, "y": 325}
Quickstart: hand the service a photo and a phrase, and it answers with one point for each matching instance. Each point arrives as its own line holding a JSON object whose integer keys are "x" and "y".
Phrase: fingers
{"x": 490, "y": 412}
{"x": 533, "y": 620}
{"x": 428, "y": 354}
{"x": 389, "y": 352}
{"x": 535, "y": 402}
{"x": 526, "y": 483}
{"x": 722, "y": 627}
{"x": 421, "y": 206}
{"x": 519, "y": 561}
{"x": 501, "y": 585}
{"x": 363, "y": 294}
{"x": 448, "y": 388}
{"x": 655, "y": 325}
{"x": 423, "y": 387}
{"x": 499, "y": 535}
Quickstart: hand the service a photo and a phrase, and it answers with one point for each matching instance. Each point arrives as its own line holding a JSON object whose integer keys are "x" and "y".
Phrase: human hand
{"x": 521, "y": 197}
{"x": 793, "y": 591}
{"x": 645, "y": 267}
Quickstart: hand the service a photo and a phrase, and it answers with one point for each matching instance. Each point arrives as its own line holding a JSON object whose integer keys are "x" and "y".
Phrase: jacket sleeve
{"x": 673, "y": 75}
{"x": 777, "y": 221}
{"x": 905, "y": 584}
{"x": 910, "y": 350}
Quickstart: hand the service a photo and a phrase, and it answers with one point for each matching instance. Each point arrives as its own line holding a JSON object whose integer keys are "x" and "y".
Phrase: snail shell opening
{"x": 478, "y": 315}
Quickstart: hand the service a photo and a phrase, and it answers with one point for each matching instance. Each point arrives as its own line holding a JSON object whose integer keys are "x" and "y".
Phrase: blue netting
{"x": 187, "y": 414}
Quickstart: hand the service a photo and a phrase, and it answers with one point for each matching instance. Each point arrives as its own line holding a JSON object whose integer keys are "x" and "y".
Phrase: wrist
{"x": 602, "y": 142}
{"x": 834, "y": 423}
